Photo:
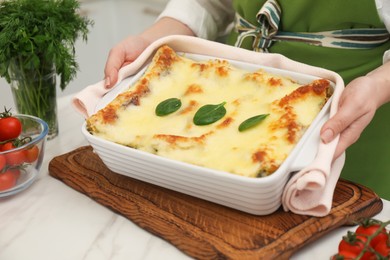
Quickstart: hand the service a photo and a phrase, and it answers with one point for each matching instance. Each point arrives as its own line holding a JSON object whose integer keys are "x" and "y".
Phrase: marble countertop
{"x": 50, "y": 220}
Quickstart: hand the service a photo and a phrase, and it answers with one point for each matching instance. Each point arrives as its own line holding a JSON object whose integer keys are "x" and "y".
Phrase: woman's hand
{"x": 357, "y": 107}
{"x": 129, "y": 49}
{"x": 122, "y": 54}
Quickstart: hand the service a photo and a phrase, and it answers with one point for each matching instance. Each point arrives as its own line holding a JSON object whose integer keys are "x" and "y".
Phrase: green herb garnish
{"x": 251, "y": 122}
{"x": 168, "y": 106}
{"x": 209, "y": 114}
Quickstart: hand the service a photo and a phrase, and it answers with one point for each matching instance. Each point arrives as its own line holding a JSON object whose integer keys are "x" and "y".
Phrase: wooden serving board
{"x": 202, "y": 229}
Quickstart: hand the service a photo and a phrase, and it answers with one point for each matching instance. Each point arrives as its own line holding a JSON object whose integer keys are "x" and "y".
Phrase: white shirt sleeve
{"x": 208, "y": 19}
{"x": 383, "y": 7}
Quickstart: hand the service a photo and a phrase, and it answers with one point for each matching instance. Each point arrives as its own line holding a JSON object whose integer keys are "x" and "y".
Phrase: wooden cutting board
{"x": 202, "y": 229}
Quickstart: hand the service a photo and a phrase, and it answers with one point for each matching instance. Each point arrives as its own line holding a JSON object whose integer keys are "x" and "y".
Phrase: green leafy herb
{"x": 39, "y": 34}
{"x": 209, "y": 114}
{"x": 168, "y": 106}
{"x": 251, "y": 122}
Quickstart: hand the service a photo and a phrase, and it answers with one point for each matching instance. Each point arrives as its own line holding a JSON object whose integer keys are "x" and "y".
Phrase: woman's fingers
{"x": 355, "y": 112}
{"x": 115, "y": 61}
{"x": 122, "y": 54}
{"x": 351, "y": 133}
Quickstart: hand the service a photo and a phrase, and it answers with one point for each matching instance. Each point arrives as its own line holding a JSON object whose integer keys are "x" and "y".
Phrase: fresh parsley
{"x": 35, "y": 34}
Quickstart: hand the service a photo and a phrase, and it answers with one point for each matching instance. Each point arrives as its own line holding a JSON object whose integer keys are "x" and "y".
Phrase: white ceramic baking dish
{"x": 259, "y": 196}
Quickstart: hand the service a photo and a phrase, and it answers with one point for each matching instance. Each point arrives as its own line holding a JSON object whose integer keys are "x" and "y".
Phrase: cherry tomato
{"x": 368, "y": 256}
{"x": 352, "y": 243}
{"x": 2, "y": 162}
{"x": 7, "y": 180}
{"x": 15, "y": 172}
{"x": 383, "y": 248}
{"x": 10, "y": 128}
{"x": 345, "y": 255}
{"x": 31, "y": 154}
{"x": 368, "y": 229}
{"x": 15, "y": 158}
{"x": 7, "y": 146}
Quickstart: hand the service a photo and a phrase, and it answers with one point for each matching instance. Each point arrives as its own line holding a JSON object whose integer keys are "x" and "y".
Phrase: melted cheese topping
{"x": 130, "y": 119}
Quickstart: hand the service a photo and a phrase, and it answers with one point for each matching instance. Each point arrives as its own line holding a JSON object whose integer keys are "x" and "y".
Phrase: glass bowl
{"x": 20, "y": 166}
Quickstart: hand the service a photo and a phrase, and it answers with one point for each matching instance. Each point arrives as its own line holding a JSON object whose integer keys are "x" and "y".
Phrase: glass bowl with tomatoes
{"x": 22, "y": 146}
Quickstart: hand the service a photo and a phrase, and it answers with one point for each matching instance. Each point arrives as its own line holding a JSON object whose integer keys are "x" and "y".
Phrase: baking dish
{"x": 258, "y": 196}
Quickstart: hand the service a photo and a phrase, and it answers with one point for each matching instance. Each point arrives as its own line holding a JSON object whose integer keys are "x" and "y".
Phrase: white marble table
{"x": 49, "y": 220}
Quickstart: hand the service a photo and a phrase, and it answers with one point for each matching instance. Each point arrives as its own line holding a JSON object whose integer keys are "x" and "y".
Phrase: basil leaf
{"x": 251, "y": 122}
{"x": 168, "y": 106}
{"x": 209, "y": 114}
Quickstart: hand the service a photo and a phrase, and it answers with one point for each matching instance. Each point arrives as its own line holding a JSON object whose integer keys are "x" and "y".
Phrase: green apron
{"x": 368, "y": 160}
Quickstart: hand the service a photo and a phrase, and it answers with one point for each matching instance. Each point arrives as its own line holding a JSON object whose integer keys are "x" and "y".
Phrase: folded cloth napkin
{"x": 310, "y": 191}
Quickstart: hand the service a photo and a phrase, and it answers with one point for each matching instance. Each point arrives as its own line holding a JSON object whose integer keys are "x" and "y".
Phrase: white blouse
{"x": 210, "y": 19}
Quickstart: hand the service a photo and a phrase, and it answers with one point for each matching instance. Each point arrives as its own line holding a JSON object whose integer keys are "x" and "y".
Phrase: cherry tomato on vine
{"x": 7, "y": 146}
{"x": 2, "y": 162}
{"x": 31, "y": 154}
{"x": 369, "y": 228}
{"x": 15, "y": 172}
{"x": 7, "y": 180}
{"x": 15, "y": 158}
{"x": 352, "y": 243}
{"x": 10, "y": 128}
{"x": 383, "y": 248}
{"x": 345, "y": 255}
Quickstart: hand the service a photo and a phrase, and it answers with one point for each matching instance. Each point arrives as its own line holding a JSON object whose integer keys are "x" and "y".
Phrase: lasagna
{"x": 251, "y": 119}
